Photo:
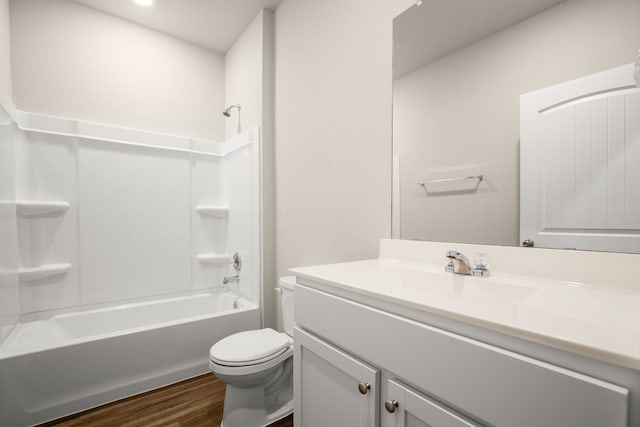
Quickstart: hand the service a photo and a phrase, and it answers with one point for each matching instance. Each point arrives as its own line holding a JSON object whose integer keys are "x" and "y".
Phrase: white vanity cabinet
{"x": 337, "y": 389}
{"x": 421, "y": 375}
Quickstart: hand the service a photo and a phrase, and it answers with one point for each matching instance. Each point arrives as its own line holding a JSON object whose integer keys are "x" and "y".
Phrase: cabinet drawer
{"x": 494, "y": 385}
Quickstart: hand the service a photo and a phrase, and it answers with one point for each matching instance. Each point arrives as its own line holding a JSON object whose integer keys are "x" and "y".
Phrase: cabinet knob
{"x": 391, "y": 405}
{"x": 363, "y": 388}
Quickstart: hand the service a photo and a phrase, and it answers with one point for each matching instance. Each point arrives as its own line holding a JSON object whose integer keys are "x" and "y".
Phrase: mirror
{"x": 459, "y": 69}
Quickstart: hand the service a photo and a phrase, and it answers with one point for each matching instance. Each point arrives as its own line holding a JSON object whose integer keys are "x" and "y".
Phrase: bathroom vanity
{"x": 396, "y": 341}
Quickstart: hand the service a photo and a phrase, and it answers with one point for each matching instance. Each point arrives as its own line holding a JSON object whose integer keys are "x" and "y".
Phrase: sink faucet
{"x": 459, "y": 264}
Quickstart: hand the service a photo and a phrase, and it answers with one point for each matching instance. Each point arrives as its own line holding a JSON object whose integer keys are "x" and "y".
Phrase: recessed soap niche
{"x": 46, "y": 216}
{"x": 103, "y": 220}
{"x": 38, "y": 223}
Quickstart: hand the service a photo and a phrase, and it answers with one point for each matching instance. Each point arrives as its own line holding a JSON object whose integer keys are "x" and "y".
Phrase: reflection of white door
{"x": 580, "y": 163}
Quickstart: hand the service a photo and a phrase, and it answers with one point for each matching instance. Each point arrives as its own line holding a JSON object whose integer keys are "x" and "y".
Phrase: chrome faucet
{"x": 459, "y": 264}
{"x": 231, "y": 279}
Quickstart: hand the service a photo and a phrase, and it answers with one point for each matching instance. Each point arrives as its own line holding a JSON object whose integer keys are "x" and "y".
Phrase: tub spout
{"x": 231, "y": 279}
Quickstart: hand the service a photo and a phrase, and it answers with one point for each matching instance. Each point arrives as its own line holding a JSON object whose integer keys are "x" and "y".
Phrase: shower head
{"x": 227, "y": 112}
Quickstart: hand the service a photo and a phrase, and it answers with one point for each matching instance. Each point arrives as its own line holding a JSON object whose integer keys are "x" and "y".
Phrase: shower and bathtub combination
{"x": 115, "y": 245}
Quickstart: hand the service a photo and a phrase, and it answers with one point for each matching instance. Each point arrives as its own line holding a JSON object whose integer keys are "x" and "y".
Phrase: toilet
{"x": 257, "y": 367}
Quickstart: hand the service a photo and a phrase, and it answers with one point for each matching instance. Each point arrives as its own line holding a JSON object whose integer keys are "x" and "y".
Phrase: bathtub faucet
{"x": 237, "y": 266}
{"x": 231, "y": 279}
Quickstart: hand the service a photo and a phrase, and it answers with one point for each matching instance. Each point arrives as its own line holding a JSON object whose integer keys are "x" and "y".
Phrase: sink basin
{"x": 433, "y": 285}
{"x": 491, "y": 299}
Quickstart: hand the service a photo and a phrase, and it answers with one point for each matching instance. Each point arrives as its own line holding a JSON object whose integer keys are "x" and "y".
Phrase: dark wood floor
{"x": 193, "y": 403}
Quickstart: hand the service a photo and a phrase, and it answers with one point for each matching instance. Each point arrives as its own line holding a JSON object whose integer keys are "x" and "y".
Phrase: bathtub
{"x": 56, "y": 364}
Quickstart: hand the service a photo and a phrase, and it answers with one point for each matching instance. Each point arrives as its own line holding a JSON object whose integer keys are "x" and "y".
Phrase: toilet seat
{"x": 248, "y": 362}
{"x": 249, "y": 347}
{"x": 264, "y": 365}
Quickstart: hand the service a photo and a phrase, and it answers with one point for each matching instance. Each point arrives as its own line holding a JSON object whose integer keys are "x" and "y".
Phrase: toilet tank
{"x": 287, "y": 284}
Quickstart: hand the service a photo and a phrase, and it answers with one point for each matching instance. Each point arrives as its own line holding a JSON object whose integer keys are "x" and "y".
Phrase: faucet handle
{"x": 449, "y": 267}
{"x": 237, "y": 262}
{"x": 481, "y": 259}
{"x": 480, "y": 268}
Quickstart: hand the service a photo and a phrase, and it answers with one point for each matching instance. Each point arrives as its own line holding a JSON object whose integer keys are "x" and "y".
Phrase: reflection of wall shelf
{"x": 218, "y": 259}
{"x": 37, "y": 208}
{"x": 30, "y": 274}
{"x": 458, "y": 178}
{"x": 452, "y": 181}
{"x": 213, "y": 211}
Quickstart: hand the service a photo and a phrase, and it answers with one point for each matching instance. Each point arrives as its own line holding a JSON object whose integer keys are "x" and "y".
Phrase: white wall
{"x": 464, "y": 110}
{"x": 73, "y": 61}
{"x": 249, "y": 82}
{"x": 5, "y": 54}
{"x": 243, "y": 72}
{"x": 333, "y": 129}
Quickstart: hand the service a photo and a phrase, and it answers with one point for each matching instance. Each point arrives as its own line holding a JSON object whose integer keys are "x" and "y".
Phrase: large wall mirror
{"x": 459, "y": 70}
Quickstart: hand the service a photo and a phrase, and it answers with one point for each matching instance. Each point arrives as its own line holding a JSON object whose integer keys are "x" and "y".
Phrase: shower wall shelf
{"x": 30, "y": 274}
{"x": 37, "y": 208}
{"x": 216, "y": 259}
{"x": 90, "y": 131}
{"x": 213, "y": 211}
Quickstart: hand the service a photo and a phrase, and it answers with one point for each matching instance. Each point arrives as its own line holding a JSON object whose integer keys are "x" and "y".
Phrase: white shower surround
{"x": 136, "y": 226}
{"x": 131, "y": 211}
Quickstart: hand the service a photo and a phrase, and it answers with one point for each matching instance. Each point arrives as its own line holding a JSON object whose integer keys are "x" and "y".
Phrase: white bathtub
{"x": 68, "y": 362}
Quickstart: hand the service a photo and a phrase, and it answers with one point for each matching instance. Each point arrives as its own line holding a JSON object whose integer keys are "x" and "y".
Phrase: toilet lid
{"x": 249, "y": 346}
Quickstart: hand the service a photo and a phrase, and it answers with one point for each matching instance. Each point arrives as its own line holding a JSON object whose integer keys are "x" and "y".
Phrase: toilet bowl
{"x": 257, "y": 367}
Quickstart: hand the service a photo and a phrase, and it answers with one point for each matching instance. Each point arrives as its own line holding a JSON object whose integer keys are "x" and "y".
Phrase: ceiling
{"x": 212, "y": 24}
{"x": 436, "y": 28}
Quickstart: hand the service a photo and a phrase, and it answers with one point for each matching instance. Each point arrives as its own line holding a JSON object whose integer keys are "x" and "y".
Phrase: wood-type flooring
{"x": 196, "y": 402}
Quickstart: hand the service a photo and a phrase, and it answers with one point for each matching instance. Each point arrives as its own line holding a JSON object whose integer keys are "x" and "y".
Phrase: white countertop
{"x": 600, "y": 322}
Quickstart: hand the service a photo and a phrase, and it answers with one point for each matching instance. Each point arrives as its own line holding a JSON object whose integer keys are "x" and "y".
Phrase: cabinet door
{"x": 332, "y": 388}
{"x": 407, "y": 408}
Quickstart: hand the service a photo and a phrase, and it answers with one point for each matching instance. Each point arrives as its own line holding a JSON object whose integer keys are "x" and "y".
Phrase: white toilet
{"x": 257, "y": 367}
